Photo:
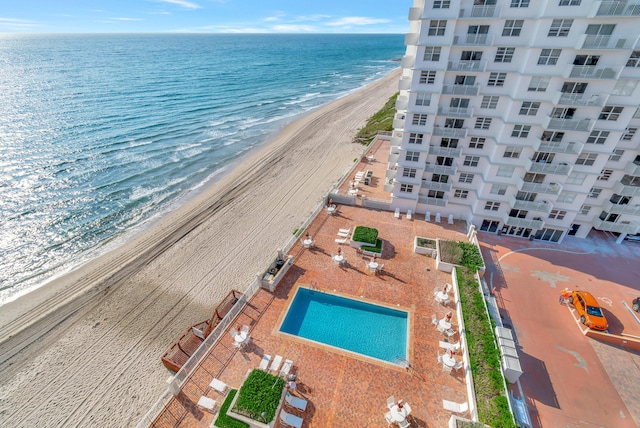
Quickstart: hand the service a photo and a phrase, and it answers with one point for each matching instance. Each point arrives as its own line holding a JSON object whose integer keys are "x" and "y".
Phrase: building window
{"x": 605, "y": 175}
{"x": 576, "y": 178}
{"x": 477, "y": 142}
{"x": 594, "y": 193}
{"x": 412, "y": 156}
{"x": 597, "y": 137}
{"x": 556, "y": 137}
{"x": 628, "y": 134}
{"x": 566, "y": 197}
{"x": 437, "y": 27}
{"x": 521, "y": 131}
{"x": 483, "y": 123}
{"x": 419, "y": 119}
{"x": 409, "y": 172}
{"x": 492, "y": 206}
{"x": 574, "y": 87}
{"x": 549, "y": 56}
{"x": 634, "y": 59}
{"x": 489, "y": 101}
{"x": 449, "y": 142}
{"x": 441, "y": 4}
{"x": 465, "y": 178}
{"x": 415, "y": 138}
{"x": 559, "y": 27}
{"x": 538, "y": 84}
{"x": 460, "y": 193}
{"x": 496, "y": 79}
{"x": 624, "y": 87}
{"x": 616, "y": 155}
{"x": 504, "y": 54}
{"x": 600, "y": 30}
{"x": 499, "y": 189}
{"x": 440, "y": 178}
{"x": 610, "y": 113}
{"x": 586, "y": 159}
{"x": 557, "y": 214}
{"x": 512, "y": 152}
{"x": 406, "y": 188}
{"x": 471, "y": 160}
{"x": 519, "y": 3}
{"x": 584, "y": 210}
{"x": 435, "y": 194}
{"x": 505, "y": 171}
{"x": 529, "y": 108}
{"x": 569, "y": 3}
{"x": 518, "y": 213}
{"x": 512, "y": 27}
{"x": 427, "y": 77}
{"x": 432, "y": 53}
{"x": 423, "y": 99}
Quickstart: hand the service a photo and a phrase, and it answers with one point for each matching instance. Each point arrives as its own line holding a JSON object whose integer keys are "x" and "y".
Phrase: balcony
{"x": 548, "y": 168}
{"x": 593, "y": 72}
{"x": 607, "y": 42}
{"x": 618, "y": 8}
{"x": 415, "y": 13}
{"x": 411, "y": 39}
{"x": 522, "y": 222}
{"x": 441, "y": 131}
{"x": 402, "y": 103}
{"x": 612, "y": 208}
{"x": 449, "y": 152}
{"x": 472, "y": 39}
{"x": 438, "y": 202}
{"x": 584, "y": 125}
{"x": 458, "y": 112}
{"x": 538, "y": 206}
{"x": 390, "y": 175}
{"x": 632, "y": 168}
{"x": 485, "y": 11}
{"x": 441, "y": 169}
{"x": 436, "y": 185}
{"x": 393, "y": 158}
{"x": 549, "y": 189}
{"x": 626, "y": 190}
{"x": 469, "y": 90}
{"x": 587, "y": 100}
{"x": 628, "y": 228}
{"x": 404, "y": 84}
{"x": 408, "y": 61}
{"x": 573, "y": 148}
{"x": 399, "y": 120}
{"x": 477, "y": 66}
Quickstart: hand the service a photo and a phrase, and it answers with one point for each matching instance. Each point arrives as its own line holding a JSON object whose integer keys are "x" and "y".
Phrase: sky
{"x": 204, "y": 16}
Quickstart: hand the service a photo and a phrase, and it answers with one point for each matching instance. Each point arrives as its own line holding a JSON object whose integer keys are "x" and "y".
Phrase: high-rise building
{"x": 521, "y": 116}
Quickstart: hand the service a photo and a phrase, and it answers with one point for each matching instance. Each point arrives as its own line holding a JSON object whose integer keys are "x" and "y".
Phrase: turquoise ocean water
{"x": 100, "y": 133}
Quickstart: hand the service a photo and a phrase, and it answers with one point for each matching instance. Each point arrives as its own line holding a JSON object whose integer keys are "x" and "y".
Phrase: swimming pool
{"x": 364, "y": 328}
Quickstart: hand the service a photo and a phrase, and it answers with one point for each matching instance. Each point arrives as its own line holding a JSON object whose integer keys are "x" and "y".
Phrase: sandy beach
{"x": 91, "y": 354}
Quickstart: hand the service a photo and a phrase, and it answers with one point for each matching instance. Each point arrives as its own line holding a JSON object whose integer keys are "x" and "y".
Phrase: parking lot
{"x": 570, "y": 380}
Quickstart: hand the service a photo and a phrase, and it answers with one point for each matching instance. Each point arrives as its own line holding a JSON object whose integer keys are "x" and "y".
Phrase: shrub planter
{"x": 363, "y": 237}
{"x": 425, "y": 246}
{"x": 255, "y": 423}
{"x": 442, "y": 265}
{"x": 458, "y": 253}
{"x": 277, "y": 269}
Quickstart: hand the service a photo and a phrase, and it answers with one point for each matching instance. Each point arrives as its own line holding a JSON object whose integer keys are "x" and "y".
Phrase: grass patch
{"x": 261, "y": 392}
{"x": 368, "y": 235}
{"x": 461, "y": 254}
{"x": 484, "y": 354}
{"x": 224, "y": 421}
{"x": 381, "y": 121}
{"x": 426, "y": 243}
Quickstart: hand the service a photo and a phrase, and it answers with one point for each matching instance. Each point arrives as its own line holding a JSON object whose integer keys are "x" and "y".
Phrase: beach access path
{"x": 97, "y": 335}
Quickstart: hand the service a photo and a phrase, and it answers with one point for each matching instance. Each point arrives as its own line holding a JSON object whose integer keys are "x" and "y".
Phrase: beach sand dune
{"x": 97, "y": 334}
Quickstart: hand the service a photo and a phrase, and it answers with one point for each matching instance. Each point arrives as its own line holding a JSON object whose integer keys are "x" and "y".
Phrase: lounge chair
{"x": 290, "y": 420}
{"x": 434, "y": 319}
{"x": 391, "y": 401}
{"x": 450, "y": 219}
{"x": 296, "y": 402}
{"x": 286, "y": 368}
{"x": 264, "y": 363}
{"x": 207, "y": 403}
{"x": 437, "y": 217}
{"x": 427, "y": 216}
{"x": 397, "y": 213}
{"x": 389, "y": 418}
{"x": 347, "y": 231}
{"x": 341, "y": 241}
{"x": 218, "y": 385}
{"x": 409, "y": 215}
{"x": 455, "y": 407}
{"x": 404, "y": 424}
{"x": 344, "y": 235}
{"x": 275, "y": 365}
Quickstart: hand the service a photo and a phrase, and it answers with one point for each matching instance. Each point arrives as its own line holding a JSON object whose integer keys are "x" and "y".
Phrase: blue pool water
{"x": 364, "y": 328}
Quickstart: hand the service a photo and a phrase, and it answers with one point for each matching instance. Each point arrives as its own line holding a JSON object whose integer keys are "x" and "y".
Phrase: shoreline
{"x": 106, "y": 324}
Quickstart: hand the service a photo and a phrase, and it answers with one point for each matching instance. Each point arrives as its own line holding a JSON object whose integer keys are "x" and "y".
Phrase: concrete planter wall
{"x": 252, "y": 422}
{"x": 458, "y": 422}
{"x": 440, "y": 265}
{"x": 431, "y": 252}
{"x": 274, "y": 274}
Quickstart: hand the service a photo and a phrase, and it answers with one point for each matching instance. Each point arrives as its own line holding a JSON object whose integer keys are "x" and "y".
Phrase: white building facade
{"x": 521, "y": 116}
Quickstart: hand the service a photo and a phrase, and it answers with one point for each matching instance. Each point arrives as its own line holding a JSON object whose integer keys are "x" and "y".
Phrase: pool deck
{"x": 343, "y": 389}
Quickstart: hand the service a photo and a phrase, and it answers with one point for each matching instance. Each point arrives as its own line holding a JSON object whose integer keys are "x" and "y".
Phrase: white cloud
{"x": 316, "y": 17}
{"x": 13, "y": 24}
{"x": 356, "y": 20}
{"x": 126, "y": 19}
{"x": 184, "y": 3}
{"x": 294, "y": 28}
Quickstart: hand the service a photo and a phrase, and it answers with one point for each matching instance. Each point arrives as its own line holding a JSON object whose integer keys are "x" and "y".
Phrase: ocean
{"x": 100, "y": 134}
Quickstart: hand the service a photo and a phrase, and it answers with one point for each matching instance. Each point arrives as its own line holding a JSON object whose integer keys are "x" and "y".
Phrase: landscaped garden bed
{"x": 366, "y": 240}
{"x": 425, "y": 246}
{"x": 458, "y": 253}
{"x": 258, "y": 399}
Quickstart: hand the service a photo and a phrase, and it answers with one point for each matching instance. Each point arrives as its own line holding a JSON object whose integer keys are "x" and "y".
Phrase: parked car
{"x": 589, "y": 310}
{"x": 635, "y": 304}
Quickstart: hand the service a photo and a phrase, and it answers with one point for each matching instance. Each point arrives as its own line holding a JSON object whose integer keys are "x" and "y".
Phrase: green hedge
{"x": 461, "y": 254}
{"x": 381, "y": 121}
{"x": 261, "y": 392}
{"x": 224, "y": 421}
{"x": 364, "y": 234}
{"x": 376, "y": 249}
